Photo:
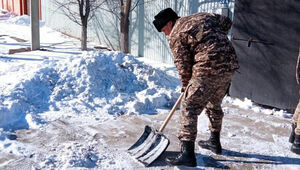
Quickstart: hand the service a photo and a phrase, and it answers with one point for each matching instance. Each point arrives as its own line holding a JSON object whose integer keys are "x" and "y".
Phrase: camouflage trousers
{"x": 296, "y": 118}
{"x": 205, "y": 92}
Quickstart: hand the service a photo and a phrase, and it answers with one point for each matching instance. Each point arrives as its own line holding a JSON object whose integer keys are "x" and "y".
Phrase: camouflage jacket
{"x": 200, "y": 46}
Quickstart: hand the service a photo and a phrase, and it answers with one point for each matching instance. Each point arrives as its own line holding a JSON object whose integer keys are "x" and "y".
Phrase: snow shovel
{"x": 152, "y": 142}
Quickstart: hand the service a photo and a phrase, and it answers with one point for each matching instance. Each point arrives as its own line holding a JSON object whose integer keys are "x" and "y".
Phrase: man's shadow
{"x": 261, "y": 159}
{"x": 209, "y": 161}
{"x": 202, "y": 160}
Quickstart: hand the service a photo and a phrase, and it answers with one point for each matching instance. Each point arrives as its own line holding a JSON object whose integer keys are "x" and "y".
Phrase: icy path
{"x": 250, "y": 141}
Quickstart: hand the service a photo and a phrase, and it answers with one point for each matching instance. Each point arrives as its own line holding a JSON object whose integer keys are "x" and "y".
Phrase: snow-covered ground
{"x": 61, "y": 108}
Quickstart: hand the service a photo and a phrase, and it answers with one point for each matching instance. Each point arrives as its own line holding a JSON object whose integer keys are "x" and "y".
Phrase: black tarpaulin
{"x": 266, "y": 37}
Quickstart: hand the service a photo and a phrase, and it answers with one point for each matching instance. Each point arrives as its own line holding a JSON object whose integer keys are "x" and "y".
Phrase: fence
{"x": 145, "y": 41}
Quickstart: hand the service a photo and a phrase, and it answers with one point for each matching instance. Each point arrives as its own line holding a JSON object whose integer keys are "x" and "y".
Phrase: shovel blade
{"x": 149, "y": 146}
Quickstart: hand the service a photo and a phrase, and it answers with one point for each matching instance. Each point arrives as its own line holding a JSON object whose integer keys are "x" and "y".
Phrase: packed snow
{"x": 61, "y": 97}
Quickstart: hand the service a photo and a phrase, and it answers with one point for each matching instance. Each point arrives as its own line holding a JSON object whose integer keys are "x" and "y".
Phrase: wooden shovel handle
{"x": 171, "y": 113}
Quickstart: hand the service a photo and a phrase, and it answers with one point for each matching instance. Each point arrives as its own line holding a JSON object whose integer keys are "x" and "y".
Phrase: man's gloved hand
{"x": 183, "y": 89}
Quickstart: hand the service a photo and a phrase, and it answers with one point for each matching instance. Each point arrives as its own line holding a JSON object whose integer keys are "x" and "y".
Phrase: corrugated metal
{"x": 155, "y": 44}
{"x": 145, "y": 41}
{"x": 55, "y": 19}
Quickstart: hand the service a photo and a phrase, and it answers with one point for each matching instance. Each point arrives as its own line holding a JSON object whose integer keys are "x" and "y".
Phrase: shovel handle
{"x": 171, "y": 113}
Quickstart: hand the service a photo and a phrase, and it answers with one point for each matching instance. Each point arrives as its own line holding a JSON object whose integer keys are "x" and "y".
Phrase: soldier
{"x": 206, "y": 61}
{"x": 295, "y": 135}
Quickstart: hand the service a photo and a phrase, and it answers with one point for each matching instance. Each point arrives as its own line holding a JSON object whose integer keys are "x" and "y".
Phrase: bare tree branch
{"x": 85, "y": 11}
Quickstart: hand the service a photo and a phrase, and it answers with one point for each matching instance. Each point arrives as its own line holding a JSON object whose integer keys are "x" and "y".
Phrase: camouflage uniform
{"x": 205, "y": 60}
{"x": 296, "y": 116}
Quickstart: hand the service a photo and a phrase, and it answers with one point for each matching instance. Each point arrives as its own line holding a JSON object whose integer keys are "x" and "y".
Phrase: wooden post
{"x": 35, "y": 25}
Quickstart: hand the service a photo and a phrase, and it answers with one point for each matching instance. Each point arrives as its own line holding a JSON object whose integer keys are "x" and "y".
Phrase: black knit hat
{"x": 163, "y": 17}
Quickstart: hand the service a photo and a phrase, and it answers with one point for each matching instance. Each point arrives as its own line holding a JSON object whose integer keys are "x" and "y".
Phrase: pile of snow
{"x": 4, "y": 14}
{"x": 106, "y": 83}
{"x": 19, "y": 20}
{"x": 23, "y": 20}
{"x": 249, "y": 105}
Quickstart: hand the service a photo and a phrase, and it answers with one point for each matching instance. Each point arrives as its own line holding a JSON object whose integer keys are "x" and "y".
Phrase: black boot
{"x": 292, "y": 136}
{"x": 213, "y": 143}
{"x": 186, "y": 157}
{"x": 296, "y": 145}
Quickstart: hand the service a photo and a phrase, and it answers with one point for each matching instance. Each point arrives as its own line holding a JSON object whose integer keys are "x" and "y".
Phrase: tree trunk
{"x": 124, "y": 26}
{"x": 84, "y": 10}
{"x": 84, "y": 37}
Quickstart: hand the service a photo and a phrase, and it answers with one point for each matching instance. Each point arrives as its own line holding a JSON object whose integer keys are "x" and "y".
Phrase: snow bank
{"x": 111, "y": 83}
{"x": 4, "y": 14}
{"x": 114, "y": 81}
{"x": 249, "y": 105}
{"x": 19, "y": 20}
{"x": 24, "y": 20}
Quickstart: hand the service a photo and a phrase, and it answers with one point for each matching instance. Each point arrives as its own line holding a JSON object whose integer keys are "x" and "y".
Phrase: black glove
{"x": 183, "y": 89}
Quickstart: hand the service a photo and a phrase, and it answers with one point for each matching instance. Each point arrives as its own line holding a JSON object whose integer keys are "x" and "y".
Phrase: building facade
{"x": 19, "y": 7}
